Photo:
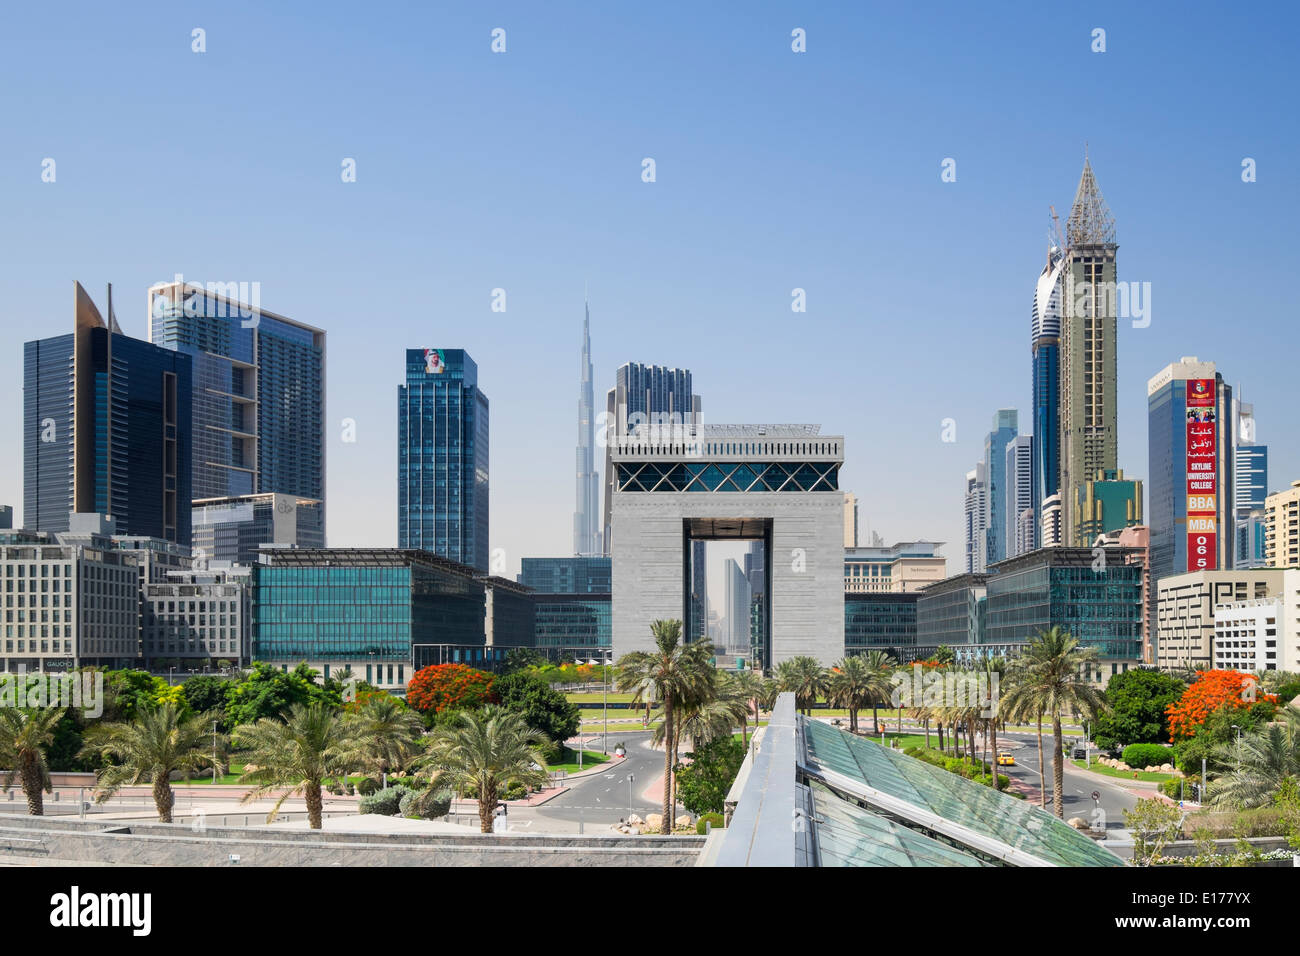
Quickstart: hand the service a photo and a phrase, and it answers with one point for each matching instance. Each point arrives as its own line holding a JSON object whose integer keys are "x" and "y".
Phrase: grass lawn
{"x": 1124, "y": 774}
{"x": 596, "y": 698}
{"x": 590, "y": 758}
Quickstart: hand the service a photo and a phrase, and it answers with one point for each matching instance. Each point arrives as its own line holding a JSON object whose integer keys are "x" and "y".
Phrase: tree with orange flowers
{"x": 441, "y": 688}
{"x": 1211, "y": 691}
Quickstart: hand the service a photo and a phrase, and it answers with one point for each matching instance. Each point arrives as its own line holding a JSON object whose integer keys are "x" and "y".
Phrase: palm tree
{"x": 882, "y": 665}
{"x": 1265, "y": 759}
{"x": 386, "y": 736}
{"x": 485, "y": 752}
{"x": 24, "y": 735}
{"x": 152, "y": 746}
{"x": 1049, "y": 683}
{"x": 804, "y": 677}
{"x": 296, "y": 754}
{"x": 852, "y": 685}
{"x": 768, "y": 694}
{"x": 670, "y": 674}
{"x": 1018, "y": 707}
{"x": 750, "y": 685}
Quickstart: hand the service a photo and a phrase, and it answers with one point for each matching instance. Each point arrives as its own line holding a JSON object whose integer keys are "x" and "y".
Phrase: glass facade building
{"x": 950, "y": 612}
{"x": 442, "y": 457}
{"x": 1099, "y": 602}
{"x": 585, "y": 575}
{"x": 1005, "y": 429}
{"x": 880, "y": 621}
{"x": 258, "y": 390}
{"x": 571, "y": 626}
{"x": 106, "y": 430}
{"x": 362, "y": 607}
{"x": 232, "y": 529}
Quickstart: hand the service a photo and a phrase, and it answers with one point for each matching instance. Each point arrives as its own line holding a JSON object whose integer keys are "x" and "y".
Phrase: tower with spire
{"x": 1089, "y": 334}
{"x": 586, "y": 526}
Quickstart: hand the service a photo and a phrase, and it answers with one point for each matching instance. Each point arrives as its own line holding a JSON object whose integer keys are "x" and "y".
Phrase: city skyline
{"x": 696, "y": 269}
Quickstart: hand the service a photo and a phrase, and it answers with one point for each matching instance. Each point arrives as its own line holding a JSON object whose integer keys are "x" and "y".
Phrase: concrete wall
{"x": 807, "y": 565}
{"x": 161, "y": 844}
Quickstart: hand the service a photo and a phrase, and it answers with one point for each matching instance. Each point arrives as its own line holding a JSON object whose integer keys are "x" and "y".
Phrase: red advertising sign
{"x": 1202, "y": 470}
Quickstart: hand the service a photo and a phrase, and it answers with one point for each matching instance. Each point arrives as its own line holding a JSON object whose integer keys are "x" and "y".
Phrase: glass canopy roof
{"x": 848, "y": 835}
{"x": 992, "y": 815}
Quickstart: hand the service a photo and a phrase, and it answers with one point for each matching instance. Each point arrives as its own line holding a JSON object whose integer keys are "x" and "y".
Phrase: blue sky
{"x": 775, "y": 170}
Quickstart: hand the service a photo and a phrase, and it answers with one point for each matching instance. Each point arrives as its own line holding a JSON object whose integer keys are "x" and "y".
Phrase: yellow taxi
{"x": 1005, "y": 759}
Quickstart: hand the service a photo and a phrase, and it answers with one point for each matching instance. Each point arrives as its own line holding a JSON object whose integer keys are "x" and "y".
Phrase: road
{"x": 1078, "y": 786}
{"x": 603, "y": 799}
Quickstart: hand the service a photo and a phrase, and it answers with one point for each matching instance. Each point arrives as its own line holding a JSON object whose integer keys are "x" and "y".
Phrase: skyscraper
{"x": 1018, "y": 497}
{"x": 1045, "y": 348}
{"x": 1088, "y": 392}
{"x": 644, "y": 394}
{"x": 1005, "y": 426}
{"x": 258, "y": 390}
{"x": 976, "y": 519}
{"x": 736, "y": 601}
{"x": 106, "y": 429}
{"x": 1190, "y": 510}
{"x": 442, "y": 457}
{"x": 586, "y": 528}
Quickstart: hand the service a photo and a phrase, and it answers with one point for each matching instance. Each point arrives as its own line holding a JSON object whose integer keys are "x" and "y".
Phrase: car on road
{"x": 1005, "y": 759}
{"x": 1079, "y": 753}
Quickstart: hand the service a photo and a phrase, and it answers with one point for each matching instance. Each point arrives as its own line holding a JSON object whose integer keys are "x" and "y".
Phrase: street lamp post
{"x": 630, "y": 778}
{"x": 214, "y": 752}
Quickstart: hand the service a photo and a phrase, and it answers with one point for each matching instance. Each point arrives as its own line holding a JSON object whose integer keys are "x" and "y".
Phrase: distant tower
{"x": 1088, "y": 394}
{"x": 586, "y": 527}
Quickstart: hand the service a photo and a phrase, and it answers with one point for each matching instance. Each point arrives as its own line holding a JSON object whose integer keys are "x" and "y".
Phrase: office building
{"x": 510, "y": 615}
{"x": 571, "y": 601}
{"x": 573, "y": 626}
{"x": 233, "y": 529}
{"x": 1282, "y": 528}
{"x": 1018, "y": 496}
{"x": 951, "y": 612}
{"x": 1045, "y": 351}
{"x": 1190, "y": 509}
{"x": 775, "y": 483}
{"x": 258, "y": 389}
{"x": 901, "y": 568}
{"x": 1250, "y": 540}
{"x": 1088, "y": 381}
{"x": 850, "y": 520}
{"x": 1098, "y": 599}
{"x": 587, "y": 538}
{"x": 384, "y": 612}
{"x": 882, "y": 622}
{"x": 1051, "y": 526}
{"x": 1186, "y": 605}
{"x": 197, "y": 619}
{"x": 1005, "y": 424}
{"x": 106, "y": 429}
{"x": 69, "y": 600}
{"x": 1262, "y": 634}
{"x": 736, "y": 601}
{"x": 976, "y": 519}
{"x": 580, "y": 575}
{"x": 652, "y": 395}
{"x": 6, "y": 517}
{"x": 1108, "y": 502}
{"x": 1250, "y": 460}
{"x": 442, "y": 457}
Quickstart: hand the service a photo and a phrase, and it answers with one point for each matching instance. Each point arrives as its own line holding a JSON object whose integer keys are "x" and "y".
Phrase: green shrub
{"x": 715, "y": 820}
{"x": 386, "y": 802}
{"x": 425, "y": 804}
{"x": 367, "y": 786}
{"x": 1141, "y": 756}
{"x": 517, "y": 792}
{"x": 552, "y": 751}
